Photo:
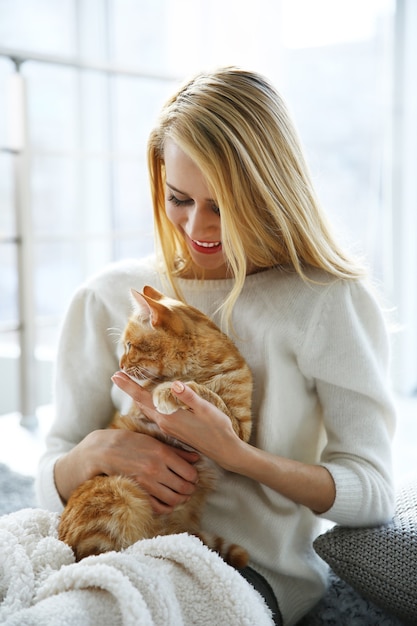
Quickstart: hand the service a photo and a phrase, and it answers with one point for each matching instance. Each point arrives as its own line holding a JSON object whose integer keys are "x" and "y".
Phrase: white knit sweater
{"x": 318, "y": 352}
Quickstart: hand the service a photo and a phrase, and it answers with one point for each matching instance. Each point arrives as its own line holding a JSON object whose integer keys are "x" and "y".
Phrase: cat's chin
{"x": 139, "y": 381}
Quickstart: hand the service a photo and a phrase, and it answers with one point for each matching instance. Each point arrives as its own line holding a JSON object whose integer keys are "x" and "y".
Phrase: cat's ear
{"x": 153, "y": 293}
{"x": 146, "y": 308}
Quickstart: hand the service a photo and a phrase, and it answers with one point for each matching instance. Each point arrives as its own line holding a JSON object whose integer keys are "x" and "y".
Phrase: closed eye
{"x": 177, "y": 202}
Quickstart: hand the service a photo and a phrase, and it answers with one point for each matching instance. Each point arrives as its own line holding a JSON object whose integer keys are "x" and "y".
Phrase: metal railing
{"x": 18, "y": 147}
{"x": 21, "y": 56}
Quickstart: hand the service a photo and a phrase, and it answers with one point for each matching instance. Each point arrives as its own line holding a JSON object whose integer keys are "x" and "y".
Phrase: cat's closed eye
{"x": 139, "y": 346}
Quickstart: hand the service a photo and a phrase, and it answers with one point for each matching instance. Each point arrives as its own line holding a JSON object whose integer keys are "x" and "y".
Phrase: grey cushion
{"x": 381, "y": 562}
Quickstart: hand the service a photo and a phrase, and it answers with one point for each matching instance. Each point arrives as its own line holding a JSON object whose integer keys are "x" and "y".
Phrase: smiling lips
{"x": 206, "y": 247}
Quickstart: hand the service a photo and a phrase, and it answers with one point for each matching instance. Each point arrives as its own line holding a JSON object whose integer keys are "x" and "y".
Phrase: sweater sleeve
{"x": 86, "y": 360}
{"x": 346, "y": 354}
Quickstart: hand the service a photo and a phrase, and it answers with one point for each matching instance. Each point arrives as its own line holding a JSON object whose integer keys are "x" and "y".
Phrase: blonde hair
{"x": 236, "y": 128}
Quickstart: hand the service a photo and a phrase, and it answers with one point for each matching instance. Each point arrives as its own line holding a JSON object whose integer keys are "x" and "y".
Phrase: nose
{"x": 201, "y": 221}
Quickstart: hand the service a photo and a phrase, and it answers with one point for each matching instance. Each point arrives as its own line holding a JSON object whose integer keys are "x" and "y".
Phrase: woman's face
{"x": 193, "y": 212}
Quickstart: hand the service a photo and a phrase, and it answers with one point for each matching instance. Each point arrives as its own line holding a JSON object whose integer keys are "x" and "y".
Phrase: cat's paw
{"x": 163, "y": 399}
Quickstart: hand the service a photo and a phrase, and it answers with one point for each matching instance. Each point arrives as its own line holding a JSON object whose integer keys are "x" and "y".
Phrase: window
{"x": 338, "y": 77}
{"x": 74, "y": 179}
{"x": 75, "y": 187}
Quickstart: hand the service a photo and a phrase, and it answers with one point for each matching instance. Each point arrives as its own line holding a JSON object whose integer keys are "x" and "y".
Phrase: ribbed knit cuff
{"x": 347, "y": 509}
{"x": 46, "y": 492}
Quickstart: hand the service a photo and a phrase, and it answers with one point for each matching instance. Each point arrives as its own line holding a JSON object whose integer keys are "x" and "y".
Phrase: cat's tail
{"x": 232, "y": 553}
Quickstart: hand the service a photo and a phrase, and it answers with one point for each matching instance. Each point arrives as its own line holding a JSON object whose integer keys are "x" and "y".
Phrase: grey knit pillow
{"x": 381, "y": 562}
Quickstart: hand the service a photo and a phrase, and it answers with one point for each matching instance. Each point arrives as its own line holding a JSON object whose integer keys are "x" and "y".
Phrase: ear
{"x": 153, "y": 293}
{"x": 141, "y": 307}
{"x": 147, "y": 308}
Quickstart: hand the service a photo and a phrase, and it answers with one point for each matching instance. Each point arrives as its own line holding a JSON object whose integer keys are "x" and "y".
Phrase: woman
{"x": 240, "y": 235}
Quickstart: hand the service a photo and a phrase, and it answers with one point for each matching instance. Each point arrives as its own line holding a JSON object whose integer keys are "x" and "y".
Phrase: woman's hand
{"x": 164, "y": 472}
{"x": 203, "y": 426}
{"x": 208, "y": 430}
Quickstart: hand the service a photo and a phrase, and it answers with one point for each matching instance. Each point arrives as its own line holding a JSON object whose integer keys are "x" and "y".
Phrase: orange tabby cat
{"x": 164, "y": 340}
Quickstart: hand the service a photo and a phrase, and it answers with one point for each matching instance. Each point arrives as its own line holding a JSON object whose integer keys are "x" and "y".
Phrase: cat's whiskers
{"x": 141, "y": 375}
{"x": 116, "y": 333}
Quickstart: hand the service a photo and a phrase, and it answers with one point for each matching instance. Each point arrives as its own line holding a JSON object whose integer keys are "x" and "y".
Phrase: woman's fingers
{"x": 132, "y": 388}
{"x": 168, "y": 474}
{"x": 171, "y": 481}
{"x": 186, "y": 395}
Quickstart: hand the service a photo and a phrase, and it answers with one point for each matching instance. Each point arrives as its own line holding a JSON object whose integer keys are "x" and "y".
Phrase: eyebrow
{"x": 183, "y": 193}
{"x": 177, "y": 190}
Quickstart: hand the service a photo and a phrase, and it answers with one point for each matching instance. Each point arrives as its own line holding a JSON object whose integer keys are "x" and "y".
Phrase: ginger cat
{"x": 164, "y": 340}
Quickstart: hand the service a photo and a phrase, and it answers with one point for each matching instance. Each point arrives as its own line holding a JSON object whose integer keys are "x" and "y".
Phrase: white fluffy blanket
{"x": 166, "y": 581}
